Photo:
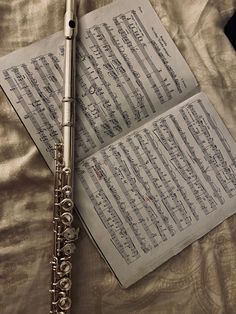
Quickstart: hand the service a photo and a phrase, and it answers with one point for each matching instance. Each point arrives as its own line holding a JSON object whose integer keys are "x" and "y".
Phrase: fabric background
{"x": 201, "y": 279}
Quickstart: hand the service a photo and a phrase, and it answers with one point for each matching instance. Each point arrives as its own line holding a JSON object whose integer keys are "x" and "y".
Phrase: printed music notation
{"x": 125, "y": 73}
{"x": 120, "y": 82}
{"x": 161, "y": 179}
{"x": 33, "y": 99}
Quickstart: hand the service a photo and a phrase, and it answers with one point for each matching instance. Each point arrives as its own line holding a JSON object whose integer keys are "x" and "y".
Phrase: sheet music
{"x": 128, "y": 70}
{"x": 150, "y": 194}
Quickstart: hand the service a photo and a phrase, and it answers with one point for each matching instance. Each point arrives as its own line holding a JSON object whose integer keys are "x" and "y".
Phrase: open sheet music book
{"x": 155, "y": 167}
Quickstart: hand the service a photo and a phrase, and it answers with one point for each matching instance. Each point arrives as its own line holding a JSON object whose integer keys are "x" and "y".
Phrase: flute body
{"x": 64, "y": 233}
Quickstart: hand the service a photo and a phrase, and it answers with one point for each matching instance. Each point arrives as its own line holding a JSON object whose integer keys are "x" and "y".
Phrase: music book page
{"x": 128, "y": 69}
{"x": 154, "y": 164}
{"x": 150, "y": 194}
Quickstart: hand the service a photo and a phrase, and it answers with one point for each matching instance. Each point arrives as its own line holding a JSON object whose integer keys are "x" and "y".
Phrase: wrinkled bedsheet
{"x": 201, "y": 279}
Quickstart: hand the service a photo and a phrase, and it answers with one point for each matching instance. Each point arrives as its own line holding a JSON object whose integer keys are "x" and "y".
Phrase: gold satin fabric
{"x": 201, "y": 279}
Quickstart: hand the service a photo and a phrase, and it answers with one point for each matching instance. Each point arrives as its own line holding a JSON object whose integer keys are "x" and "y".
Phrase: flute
{"x": 64, "y": 233}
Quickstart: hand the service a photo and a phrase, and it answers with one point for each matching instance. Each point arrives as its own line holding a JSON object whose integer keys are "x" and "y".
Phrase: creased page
{"x": 147, "y": 196}
{"x": 128, "y": 69}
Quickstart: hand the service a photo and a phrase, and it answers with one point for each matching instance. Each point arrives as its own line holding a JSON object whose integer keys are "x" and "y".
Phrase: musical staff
{"x": 158, "y": 181}
{"x": 110, "y": 219}
{"x": 46, "y": 131}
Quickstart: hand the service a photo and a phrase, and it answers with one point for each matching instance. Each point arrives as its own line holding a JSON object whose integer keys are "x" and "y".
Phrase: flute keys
{"x": 69, "y": 249}
{"x": 67, "y": 204}
{"x": 64, "y": 303}
{"x": 70, "y": 234}
{"x": 65, "y": 267}
{"x": 65, "y": 284}
{"x": 67, "y": 218}
{"x": 67, "y": 171}
{"x": 67, "y": 190}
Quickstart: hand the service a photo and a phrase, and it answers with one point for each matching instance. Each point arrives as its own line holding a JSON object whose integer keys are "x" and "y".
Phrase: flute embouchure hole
{"x": 72, "y": 24}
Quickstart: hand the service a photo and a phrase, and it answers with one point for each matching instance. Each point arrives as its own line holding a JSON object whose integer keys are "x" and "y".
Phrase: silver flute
{"x": 64, "y": 232}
